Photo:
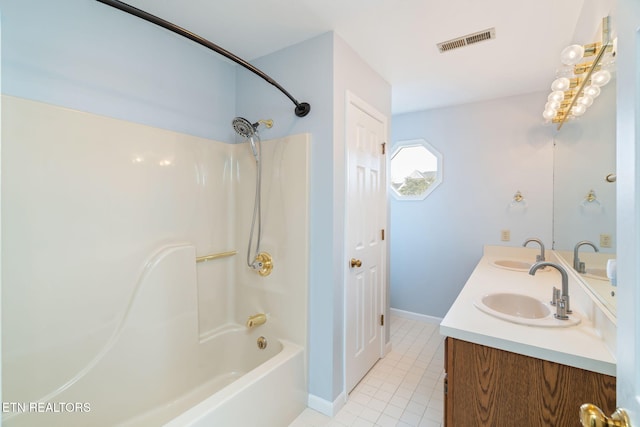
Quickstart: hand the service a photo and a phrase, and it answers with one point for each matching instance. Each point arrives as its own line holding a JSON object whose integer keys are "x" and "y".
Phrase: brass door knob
{"x": 355, "y": 263}
{"x": 592, "y": 416}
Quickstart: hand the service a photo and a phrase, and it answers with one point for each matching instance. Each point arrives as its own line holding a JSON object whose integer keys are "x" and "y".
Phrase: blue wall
{"x": 490, "y": 151}
{"x": 320, "y": 71}
{"x": 88, "y": 56}
{"x": 306, "y": 70}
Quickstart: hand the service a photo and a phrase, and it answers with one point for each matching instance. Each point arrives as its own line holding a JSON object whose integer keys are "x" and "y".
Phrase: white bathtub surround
{"x": 103, "y": 302}
{"x": 282, "y": 295}
{"x": 588, "y": 345}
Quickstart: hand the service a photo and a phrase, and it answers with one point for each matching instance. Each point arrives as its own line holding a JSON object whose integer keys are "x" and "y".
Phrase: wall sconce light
{"x": 518, "y": 202}
{"x": 579, "y": 80}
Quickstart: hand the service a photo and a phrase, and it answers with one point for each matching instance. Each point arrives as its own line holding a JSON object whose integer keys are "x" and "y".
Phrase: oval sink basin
{"x": 516, "y": 265}
{"x": 522, "y": 309}
{"x": 516, "y": 305}
{"x": 512, "y": 264}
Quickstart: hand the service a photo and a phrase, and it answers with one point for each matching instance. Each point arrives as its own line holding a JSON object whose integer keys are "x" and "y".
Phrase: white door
{"x": 366, "y": 210}
{"x": 628, "y": 220}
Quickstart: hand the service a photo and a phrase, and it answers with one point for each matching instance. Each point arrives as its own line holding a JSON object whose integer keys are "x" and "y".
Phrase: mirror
{"x": 584, "y": 205}
{"x": 416, "y": 170}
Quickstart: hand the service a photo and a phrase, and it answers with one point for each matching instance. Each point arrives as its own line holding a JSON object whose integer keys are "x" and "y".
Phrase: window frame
{"x": 398, "y": 147}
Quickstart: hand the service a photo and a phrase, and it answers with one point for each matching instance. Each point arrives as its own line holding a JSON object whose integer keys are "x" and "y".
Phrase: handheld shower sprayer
{"x": 259, "y": 261}
{"x": 245, "y": 128}
{"x": 248, "y": 130}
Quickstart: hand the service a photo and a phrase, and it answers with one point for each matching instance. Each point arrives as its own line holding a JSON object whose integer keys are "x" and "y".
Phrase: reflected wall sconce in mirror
{"x": 591, "y": 197}
{"x": 590, "y": 203}
{"x": 518, "y": 197}
{"x": 579, "y": 79}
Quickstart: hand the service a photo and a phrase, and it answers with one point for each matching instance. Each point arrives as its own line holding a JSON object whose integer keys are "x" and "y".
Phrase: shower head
{"x": 245, "y": 128}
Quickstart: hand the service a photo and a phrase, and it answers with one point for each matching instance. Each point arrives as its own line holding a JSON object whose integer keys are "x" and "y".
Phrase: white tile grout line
{"x": 403, "y": 389}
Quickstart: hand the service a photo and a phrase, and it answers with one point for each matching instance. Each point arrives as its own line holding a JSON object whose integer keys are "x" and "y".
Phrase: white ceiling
{"x": 398, "y": 39}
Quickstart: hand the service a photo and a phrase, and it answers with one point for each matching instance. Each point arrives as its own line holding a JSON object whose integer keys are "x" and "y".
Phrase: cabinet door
{"x": 490, "y": 387}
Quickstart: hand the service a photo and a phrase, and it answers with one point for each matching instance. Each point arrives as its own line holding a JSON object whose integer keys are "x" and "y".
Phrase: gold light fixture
{"x": 579, "y": 80}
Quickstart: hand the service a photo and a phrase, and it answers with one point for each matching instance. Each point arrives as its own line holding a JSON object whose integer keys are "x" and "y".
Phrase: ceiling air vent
{"x": 467, "y": 40}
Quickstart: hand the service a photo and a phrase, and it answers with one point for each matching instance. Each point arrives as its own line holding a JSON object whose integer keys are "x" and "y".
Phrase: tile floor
{"x": 403, "y": 389}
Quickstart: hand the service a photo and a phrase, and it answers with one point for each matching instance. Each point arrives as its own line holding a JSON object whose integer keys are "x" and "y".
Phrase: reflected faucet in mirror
{"x": 561, "y": 303}
{"x": 578, "y": 265}
{"x": 540, "y": 257}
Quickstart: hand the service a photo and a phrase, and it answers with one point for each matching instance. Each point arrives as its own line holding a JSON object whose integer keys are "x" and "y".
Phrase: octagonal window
{"x": 416, "y": 170}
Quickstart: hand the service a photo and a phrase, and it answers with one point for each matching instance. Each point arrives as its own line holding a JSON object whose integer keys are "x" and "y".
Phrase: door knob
{"x": 356, "y": 263}
{"x": 592, "y": 416}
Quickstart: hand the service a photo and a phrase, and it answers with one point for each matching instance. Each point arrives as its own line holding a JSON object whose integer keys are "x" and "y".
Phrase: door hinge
{"x": 382, "y": 320}
{"x": 382, "y": 234}
{"x": 384, "y": 147}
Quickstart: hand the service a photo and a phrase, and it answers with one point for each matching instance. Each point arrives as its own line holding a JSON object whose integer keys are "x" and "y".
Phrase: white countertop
{"x": 580, "y": 346}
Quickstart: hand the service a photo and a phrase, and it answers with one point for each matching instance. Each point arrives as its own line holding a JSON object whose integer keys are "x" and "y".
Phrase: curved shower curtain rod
{"x": 302, "y": 108}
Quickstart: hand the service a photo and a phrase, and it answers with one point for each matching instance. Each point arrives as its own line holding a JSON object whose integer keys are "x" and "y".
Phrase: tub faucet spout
{"x": 538, "y": 241}
{"x": 562, "y": 304}
{"x": 256, "y": 320}
{"x": 577, "y": 264}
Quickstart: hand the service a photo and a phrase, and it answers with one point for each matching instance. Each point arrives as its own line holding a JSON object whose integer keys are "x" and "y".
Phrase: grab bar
{"x": 215, "y": 256}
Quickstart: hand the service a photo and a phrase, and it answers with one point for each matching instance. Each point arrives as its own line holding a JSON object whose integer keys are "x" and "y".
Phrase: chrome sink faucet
{"x": 577, "y": 264}
{"x": 559, "y": 299}
{"x": 538, "y": 241}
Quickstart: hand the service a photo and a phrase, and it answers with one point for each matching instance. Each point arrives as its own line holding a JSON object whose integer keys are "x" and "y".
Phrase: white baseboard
{"x": 415, "y": 316}
{"x": 330, "y": 409}
{"x": 325, "y": 407}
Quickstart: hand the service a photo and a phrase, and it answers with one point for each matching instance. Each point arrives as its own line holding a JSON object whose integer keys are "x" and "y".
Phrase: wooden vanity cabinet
{"x": 485, "y": 386}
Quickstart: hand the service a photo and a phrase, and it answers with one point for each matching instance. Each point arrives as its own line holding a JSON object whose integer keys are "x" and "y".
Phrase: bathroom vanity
{"x": 503, "y": 370}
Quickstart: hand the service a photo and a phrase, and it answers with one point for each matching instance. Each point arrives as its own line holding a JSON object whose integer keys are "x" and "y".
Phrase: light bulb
{"x": 552, "y": 105}
{"x": 565, "y": 71}
{"x": 571, "y": 55}
{"x": 585, "y": 100}
{"x": 600, "y": 78}
{"x": 592, "y": 91}
{"x": 549, "y": 114}
{"x": 608, "y": 62}
{"x": 578, "y": 110}
{"x": 557, "y": 96}
{"x": 562, "y": 83}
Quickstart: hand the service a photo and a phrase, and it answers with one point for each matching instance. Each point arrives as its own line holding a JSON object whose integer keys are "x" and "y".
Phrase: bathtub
{"x": 157, "y": 370}
{"x": 240, "y": 386}
{"x": 249, "y": 387}
{"x": 270, "y": 395}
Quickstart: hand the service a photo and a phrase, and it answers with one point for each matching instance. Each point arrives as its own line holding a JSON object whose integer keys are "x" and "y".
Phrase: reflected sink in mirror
{"x": 596, "y": 273}
{"x": 595, "y": 279}
{"x": 522, "y": 309}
